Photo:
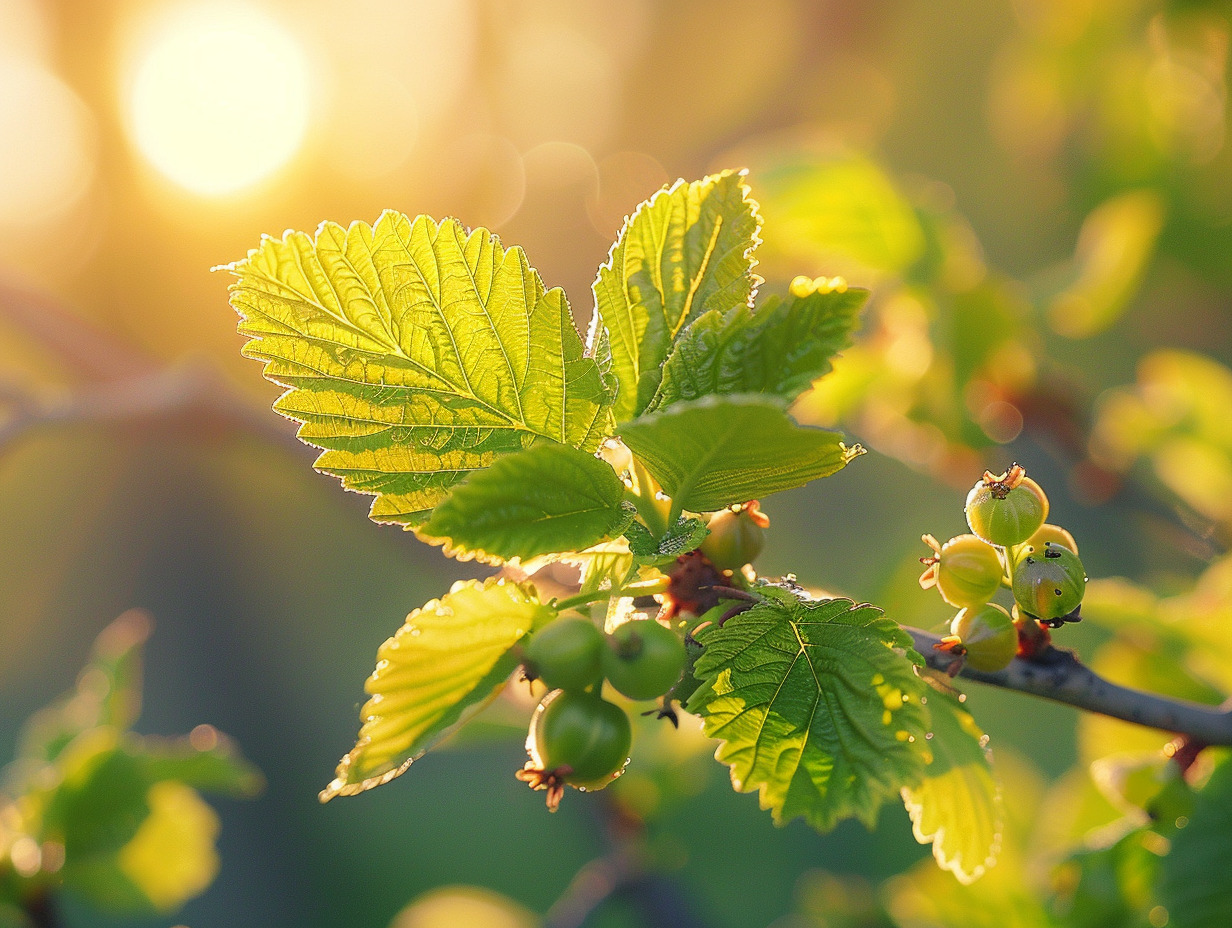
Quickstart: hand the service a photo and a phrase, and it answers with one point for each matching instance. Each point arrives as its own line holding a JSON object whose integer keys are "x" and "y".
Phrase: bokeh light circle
{"x": 46, "y": 143}
{"x": 218, "y": 97}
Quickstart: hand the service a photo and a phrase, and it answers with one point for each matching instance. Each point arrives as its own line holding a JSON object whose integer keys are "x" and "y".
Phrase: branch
{"x": 1059, "y": 675}
{"x": 192, "y": 392}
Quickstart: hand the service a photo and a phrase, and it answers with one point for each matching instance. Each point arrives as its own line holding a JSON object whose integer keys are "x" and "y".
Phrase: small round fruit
{"x": 736, "y": 536}
{"x": 988, "y": 636}
{"x": 966, "y": 570}
{"x": 1046, "y": 533}
{"x": 583, "y": 732}
{"x": 1049, "y": 584}
{"x": 642, "y": 659}
{"x": 565, "y": 654}
{"x": 1007, "y": 509}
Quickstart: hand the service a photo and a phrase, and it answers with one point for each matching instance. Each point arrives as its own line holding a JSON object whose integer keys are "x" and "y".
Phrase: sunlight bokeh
{"x": 218, "y": 97}
{"x": 46, "y": 143}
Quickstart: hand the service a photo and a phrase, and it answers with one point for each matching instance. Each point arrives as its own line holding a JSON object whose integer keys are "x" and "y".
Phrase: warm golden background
{"x": 1039, "y": 192}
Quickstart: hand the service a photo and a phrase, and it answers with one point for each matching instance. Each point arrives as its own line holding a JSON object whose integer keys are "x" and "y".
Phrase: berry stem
{"x": 1059, "y": 676}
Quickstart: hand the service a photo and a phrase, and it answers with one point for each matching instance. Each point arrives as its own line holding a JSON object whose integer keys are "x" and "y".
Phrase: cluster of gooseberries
{"x": 1011, "y": 546}
{"x": 577, "y": 737}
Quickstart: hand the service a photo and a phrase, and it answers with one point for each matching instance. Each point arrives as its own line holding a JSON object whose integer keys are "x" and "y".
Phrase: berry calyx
{"x": 1006, "y": 509}
{"x": 984, "y": 636}
{"x": 642, "y": 659}
{"x": 565, "y": 654}
{"x": 737, "y": 536}
{"x": 1049, "y": 584}
{"x": 577, "y": 739}
{"x": 966, "y": 570}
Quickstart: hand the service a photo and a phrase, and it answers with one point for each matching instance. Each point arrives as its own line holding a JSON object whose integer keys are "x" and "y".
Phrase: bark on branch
{"x": 1058, "y": 675}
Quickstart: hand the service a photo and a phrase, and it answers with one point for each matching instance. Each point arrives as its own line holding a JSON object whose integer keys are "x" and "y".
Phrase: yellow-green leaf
{"x": 685, "y": 251}
{"x": 779, "y": 348}
{"x": 444, "y": 664}
{"x": 414, "y": 353}
{"x": 957, "y": 806}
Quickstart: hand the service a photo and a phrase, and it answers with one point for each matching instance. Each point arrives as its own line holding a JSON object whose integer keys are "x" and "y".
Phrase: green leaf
{"x": 719, "y": 451}
{"x": 1114, "y": 886}
{"x": 780, "y": 348}
{"x": 818, "y": 705}
{"x": 685, "y": 251}
{"x": 447, "y": 661}
{"x": 1189, "y": 888}
{"x": 686, "y": 535}
{"x": 957, "y": 806}
{"x": 836, "y": 209}
{"x": 546, "y": 499}
{"x": 206, "y": 760}
{"x": 415, "y": 353}
{"x": 108, "y": 691}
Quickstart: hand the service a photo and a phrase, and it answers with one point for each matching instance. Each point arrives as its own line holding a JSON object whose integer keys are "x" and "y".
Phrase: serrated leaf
{"x": 719, "y": 451}
{"x": 415, "y": 353}
{"x": 444, "y": 664}
{"x": 818, "y": 705}
{"x": 684, "y": 536}
{"x": 544, "y": 500}
{"x": 957, "y": 806}
{"x": 685, "y": 251}
{"x": 779, "y": 348}
{"x": 1189, "y": 888}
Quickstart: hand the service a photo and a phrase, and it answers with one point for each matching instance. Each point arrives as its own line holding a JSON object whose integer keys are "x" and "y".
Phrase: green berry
{"x": 565, "y": 654}
{"x": 966, "y": 570}
{"x": 736, "y": 536}
{"x": 987, "y": 635}
{"x": 1049, "y": 584}
{"x": 1008, "y": 509}
{"x": 583, "y": 732}
{"x": 643, "y": 659}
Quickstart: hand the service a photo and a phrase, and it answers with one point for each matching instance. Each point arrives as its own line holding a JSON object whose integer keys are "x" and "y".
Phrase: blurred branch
{"x": 83, "y": 347}
{"x": 1057, "y": 674}
{"x": 627, "y": 870}
{"x": 187, "y": 390}
{"x": 121, "y": 384}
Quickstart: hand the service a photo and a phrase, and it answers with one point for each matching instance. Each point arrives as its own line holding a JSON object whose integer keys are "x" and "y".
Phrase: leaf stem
{"x": 1058, "y": 675}
{"x": 642, "y": 588}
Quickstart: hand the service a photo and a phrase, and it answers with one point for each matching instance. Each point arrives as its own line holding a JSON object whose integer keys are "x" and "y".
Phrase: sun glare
{"x": 218, "y": 97}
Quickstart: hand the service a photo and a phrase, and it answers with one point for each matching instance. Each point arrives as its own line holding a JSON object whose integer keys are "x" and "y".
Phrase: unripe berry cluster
{"x": 1011, "y": 547}
{"x": 577, "y": 737}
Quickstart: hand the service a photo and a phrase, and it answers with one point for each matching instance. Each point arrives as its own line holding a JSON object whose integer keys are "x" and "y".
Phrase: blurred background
{"x": 1039, "y": 193}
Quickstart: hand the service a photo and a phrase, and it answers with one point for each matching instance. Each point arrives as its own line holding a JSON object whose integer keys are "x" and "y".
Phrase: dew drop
{"x": 928, "y": 736}
{"x": 923, "y": 700}
{"x": 983, "y": 741}
{"x": 415, "y": 633}
{"x": 911, "y": 739}
{"x": 1182, "y": 821}
{"x": 962, "y": 697}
